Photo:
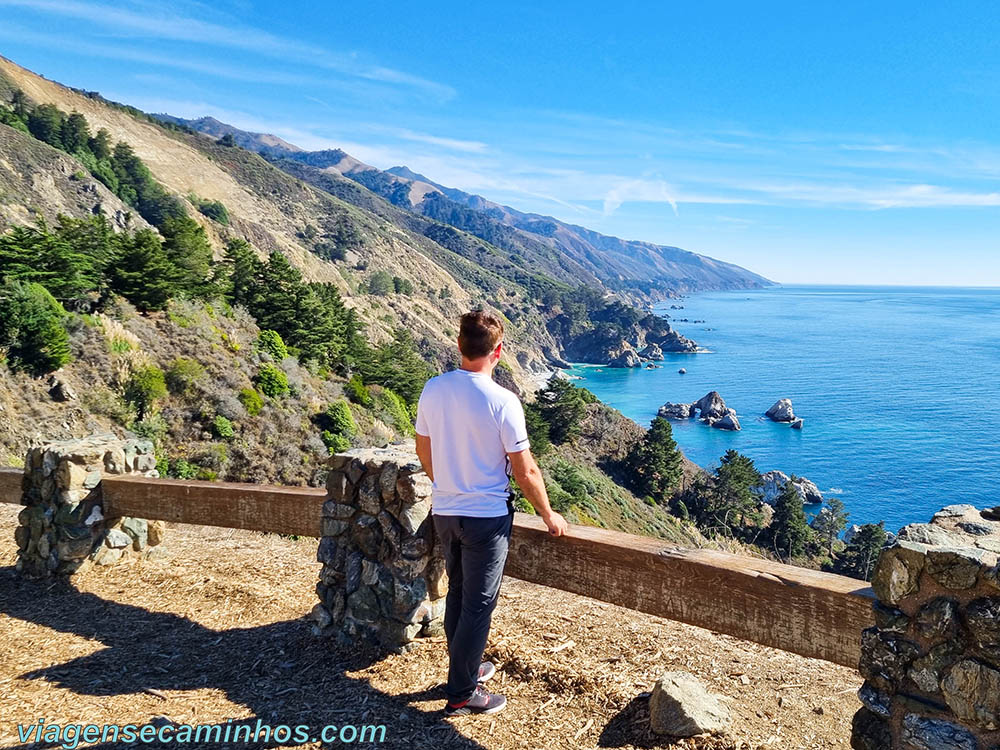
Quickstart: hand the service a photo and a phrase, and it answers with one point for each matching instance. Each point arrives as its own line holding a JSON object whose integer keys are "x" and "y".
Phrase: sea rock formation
{"x": 796, "y": 424}
{"x": 680, "y": 706}
{"x": 627, "y": 358}
{"x": 782, "y": 411}
{"x": 713, "y": 411}
{"x": 652, "y": 351}
{"x": 773, "y": 482}
{"x": 676, "y": 411}
{"x": 727, "y": 421}
{"x": 682, "y": 371}
{"x": 711, "y": 406}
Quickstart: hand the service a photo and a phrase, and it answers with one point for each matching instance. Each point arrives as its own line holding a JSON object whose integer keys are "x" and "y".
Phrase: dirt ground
{"x": 215, "y": 632}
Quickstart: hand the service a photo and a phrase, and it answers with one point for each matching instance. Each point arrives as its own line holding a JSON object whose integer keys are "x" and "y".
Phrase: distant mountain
{"x": 260, "y": 142}
{"x": 586, "y": 256}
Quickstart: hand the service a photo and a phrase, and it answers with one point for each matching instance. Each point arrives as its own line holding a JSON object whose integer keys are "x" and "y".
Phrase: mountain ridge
{"x": 622, "y": 265}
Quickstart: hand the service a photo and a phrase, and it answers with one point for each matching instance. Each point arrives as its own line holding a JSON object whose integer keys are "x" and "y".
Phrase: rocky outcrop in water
{"x": 676, "y": 411}
{"x": 782, "y": 411}
{"x": 773, "y": 482}
{"x": 653, "y": 352}
{"x": 627, "y": 358}
{"x": 713, "y": 411}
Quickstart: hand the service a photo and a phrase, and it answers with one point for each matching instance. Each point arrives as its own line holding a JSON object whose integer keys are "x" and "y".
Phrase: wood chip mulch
{"x": 216, "y": 631}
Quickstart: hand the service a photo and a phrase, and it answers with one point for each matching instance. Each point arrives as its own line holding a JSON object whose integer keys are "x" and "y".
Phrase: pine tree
{"x": 243, "y": 271}
{"x": 858, "y": 560}
{"x": 32, "y": 331}
{"x": 46, "y": 123}
{"x": 830, "y": 521}
{"x": 75, "y": 134}
{"x": 789, "y": 529}
{"x": 141, "y": 271}
{"x": 19, "y": 103}
{"x": 733, "y": 499}
{"x": 562, "y": 407}
{"x": 100, "y": 145}
{"x": 654, "y": 463}
{"x": 190, "y": 255}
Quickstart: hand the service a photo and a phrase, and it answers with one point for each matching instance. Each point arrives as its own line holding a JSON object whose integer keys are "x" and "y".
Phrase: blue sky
{"x": 811, "y": 142}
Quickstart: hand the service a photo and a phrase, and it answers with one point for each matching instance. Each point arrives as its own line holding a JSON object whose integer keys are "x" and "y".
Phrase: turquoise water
{"x": 898, "y": 387}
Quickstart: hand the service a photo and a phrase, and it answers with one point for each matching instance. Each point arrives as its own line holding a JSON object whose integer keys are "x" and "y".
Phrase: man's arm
{"x": 424, "y": 454}
{"x": 529, "y": 479}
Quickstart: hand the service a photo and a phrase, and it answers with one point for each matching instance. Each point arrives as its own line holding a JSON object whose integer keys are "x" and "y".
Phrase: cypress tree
{"x": 46, "y": 123}
{"x": 75, "y": 134}
{"x": 190, "y": 255}
{"x": 789, "y": 529}
{"x": 654, "y": 463}
{"x": 31, "y": 328}
{"x": 141, "y": 271}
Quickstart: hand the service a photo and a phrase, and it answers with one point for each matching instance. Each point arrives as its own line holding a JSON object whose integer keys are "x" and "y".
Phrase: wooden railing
{"x": 803, "y": 611}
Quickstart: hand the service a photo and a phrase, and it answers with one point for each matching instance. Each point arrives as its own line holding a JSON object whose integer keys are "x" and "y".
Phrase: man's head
{"x": 480, "y": 338}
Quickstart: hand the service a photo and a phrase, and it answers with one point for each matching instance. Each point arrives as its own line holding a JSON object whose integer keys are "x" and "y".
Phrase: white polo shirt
{"x": 473, "y": 423}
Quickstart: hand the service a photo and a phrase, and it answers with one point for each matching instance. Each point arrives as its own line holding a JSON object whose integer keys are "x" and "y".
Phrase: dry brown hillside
{"x": 271, "y": 210}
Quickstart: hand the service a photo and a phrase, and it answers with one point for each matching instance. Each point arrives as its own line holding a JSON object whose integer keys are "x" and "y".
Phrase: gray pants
{"x": 475, "y": 550}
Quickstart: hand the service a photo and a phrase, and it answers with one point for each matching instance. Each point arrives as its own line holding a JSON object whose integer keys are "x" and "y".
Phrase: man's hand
{"x": 556, "y": 523}
{"x": 529, "y": 479}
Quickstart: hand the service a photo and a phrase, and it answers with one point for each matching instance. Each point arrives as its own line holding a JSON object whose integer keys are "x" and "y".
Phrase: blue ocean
{"x": 899, "y": 389}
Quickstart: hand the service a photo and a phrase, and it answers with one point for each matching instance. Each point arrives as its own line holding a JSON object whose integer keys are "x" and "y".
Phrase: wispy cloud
{"x": 165, "y": 25}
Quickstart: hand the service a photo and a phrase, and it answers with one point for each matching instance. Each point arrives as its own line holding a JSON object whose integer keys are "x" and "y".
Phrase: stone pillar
{"x": 383, "y": 578}
{"x": 62, "y": 528}
{"x": 932, "y": 663}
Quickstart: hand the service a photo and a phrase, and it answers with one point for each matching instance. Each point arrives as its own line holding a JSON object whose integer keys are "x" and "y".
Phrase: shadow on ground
{"x": 280, "y": 672}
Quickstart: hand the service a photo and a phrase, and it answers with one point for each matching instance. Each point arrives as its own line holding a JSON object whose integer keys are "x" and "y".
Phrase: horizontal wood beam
{"x": 257, "y": 507}
{"x": 10, "y": 486}
{"x": 803, "y": 611}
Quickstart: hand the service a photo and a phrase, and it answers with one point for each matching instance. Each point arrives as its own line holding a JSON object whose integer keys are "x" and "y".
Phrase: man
{"x": 470, "y": 431}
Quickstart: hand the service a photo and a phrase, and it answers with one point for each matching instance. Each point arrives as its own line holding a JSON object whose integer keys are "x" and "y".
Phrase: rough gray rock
{"x": 773, "y": 482}
{"x": 920, "y": 733}
{"x": 711, "y": 405}
{"x": 652, "y": 351}
{"x": 728, "y": 421}
{"x": 797, "y": 424}
{"x": 676, "y": 411}
{"x": 680, "y": 706}
{"x": 682, "y": 371}
{"x": 782, "y": 411}
{"x": 627, "y": 358}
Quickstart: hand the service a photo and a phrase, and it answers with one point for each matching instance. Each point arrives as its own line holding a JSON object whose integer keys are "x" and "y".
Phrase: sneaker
{"x": 486, "y": 671}
{"x": 481, "y": 702}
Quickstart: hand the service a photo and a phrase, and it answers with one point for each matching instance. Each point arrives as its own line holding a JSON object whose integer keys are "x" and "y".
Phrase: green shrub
{"x": 32, "y": 329}
{"x": 182, "y": 469}
{"x": 272, "y": 382}
{"x": 272, "y": 343}
{"x": 144, "y": 388}
{"x": 215, "y": 211}
{"x": 152, "y": 428}
{"x": 222, "y": 427}
{"x": 340, "y": 418}
{"x": 251, "y": 401}
{"x": 393, "y": 411}
{"x": 357, "y": 392}
{"x": 335, "y": 443}
{"x": 380, "y": 284}
{"x": 182, "y": 375}
{"x": 207, "y": 475}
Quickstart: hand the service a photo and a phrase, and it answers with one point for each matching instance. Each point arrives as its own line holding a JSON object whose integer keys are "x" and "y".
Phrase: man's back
{"x": 473, "y": 423}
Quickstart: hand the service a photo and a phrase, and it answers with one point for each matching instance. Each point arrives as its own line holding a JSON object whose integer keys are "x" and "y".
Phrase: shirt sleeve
{"x": 513, "y": 431}
{"x": 422, "y": 427}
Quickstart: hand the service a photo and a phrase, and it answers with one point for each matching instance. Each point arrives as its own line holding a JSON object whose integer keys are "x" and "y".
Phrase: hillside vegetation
{"x": 250, "y": 316}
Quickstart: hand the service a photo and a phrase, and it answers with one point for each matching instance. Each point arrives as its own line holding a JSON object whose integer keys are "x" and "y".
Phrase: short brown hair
{"x": 479, "y": 333}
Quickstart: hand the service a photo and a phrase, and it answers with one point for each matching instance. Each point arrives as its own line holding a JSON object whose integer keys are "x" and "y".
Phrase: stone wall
{"x": 932, "y": 663}
{"x": 383, "y": 577}
{"x": 62, "y": 527}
